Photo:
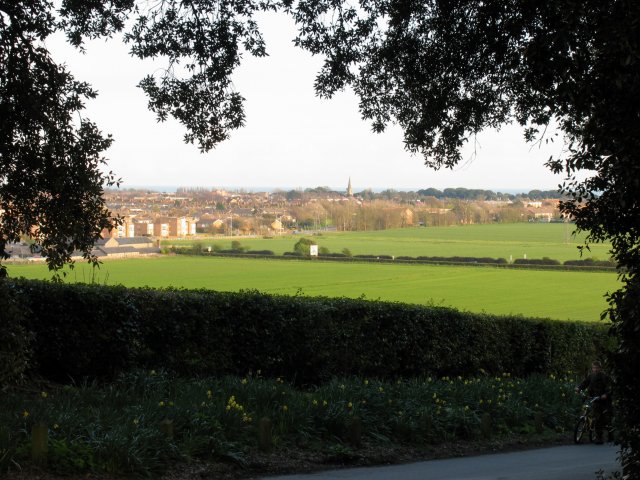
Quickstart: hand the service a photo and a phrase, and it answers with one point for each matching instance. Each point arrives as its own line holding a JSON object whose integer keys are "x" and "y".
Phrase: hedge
{"x": 536, "y": 261}
{"x": 97, "y": 331}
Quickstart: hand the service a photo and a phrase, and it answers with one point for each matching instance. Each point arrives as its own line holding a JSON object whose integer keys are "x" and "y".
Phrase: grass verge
{"x": 122, "y": 428}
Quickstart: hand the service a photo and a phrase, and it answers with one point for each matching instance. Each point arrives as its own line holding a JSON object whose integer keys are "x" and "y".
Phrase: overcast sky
{"x": 291, "y": 139}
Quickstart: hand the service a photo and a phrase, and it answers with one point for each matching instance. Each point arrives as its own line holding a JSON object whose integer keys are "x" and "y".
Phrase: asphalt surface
{"x": 573, "y": 462}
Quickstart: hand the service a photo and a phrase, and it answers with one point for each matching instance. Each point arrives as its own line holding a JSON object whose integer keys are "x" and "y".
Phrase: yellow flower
{"x": 324, "y": 403}
{"x": 209, "y": 394}
{"x": 152, "y": 373}
{"x": 161, "y": 404}
{"x": 366, "y": 382}
{"x": 315, "y": 402}
{"x": 136, "y": 421}
{"x": 380, "y": 389}
{"x": 285, "y": 408}
{"x": 466, "y": 408}
{"x": 25, "y": 414}
{"x": 246, "y": 418}
{"x": 481, "y": 401}
{"x": 349, "y": 405}
{"x": 44, "y": 394}
{"x": 228, "y": 407}
{"x": 56, "y": 426}
{"x": 342, "y": 387}
{"x": 244, "y": 381}
{"x": 434, "y": 395}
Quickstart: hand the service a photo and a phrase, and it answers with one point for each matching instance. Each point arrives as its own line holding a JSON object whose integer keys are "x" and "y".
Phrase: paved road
{"x": 574, "y": 462}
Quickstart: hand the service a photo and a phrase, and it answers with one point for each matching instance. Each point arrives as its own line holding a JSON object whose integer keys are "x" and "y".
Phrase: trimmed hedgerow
{"x": 499, "y": 261}
{"x": 15, "y": 338}
{"x": 590, "y": 262}
{"x": 536, "y": 261}
{"x": 93, "y": 330}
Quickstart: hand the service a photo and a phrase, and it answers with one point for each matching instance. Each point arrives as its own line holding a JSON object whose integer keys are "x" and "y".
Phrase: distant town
{"x": 192, "y": 211}
{"x": 148, "y": 216}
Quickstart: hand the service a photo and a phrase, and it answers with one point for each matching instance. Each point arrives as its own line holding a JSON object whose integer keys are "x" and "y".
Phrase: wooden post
{"x": 265, "y": 440}
{"x": 539, "y": 422}
{"x": 39, "y": 443}
{"x": 166, "y": 427}
{"x": 354, "y": 430}
{"x": 485, "y": 425}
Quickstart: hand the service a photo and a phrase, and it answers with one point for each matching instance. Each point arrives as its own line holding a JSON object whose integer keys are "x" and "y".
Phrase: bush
{"x": 303, "y": 245}
{"x": 536, "y": 261}
{"x": 500, "y": 261}
{"x": 93, "y": 330}
{"x": 15, "y": 339}
{"x": 590, "y": 262}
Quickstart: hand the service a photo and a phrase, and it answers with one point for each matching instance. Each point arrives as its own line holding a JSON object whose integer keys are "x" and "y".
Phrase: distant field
{"x": 552, "y": 294}
{"x": 535, "y": 240}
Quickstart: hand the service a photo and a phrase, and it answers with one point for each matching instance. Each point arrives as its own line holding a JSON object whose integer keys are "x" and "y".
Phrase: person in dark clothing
{"x": 598, "y": 384}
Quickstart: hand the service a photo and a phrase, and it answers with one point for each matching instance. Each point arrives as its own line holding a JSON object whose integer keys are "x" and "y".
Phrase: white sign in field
{"x": 313, "y": 250}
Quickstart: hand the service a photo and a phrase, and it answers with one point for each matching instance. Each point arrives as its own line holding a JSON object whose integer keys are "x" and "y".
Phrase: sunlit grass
{"x": 536, "y": 293}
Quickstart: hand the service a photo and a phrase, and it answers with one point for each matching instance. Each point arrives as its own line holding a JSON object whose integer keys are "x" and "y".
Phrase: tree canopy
{"x": 442, "y": 70}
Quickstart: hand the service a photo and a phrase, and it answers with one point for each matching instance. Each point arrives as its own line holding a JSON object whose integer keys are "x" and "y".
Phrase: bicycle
{"x": 586, "y": 422}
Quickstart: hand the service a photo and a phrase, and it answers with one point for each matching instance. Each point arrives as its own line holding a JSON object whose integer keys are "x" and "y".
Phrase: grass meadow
{"x": 536, "y": 293}
{"x": 535, "y": 240}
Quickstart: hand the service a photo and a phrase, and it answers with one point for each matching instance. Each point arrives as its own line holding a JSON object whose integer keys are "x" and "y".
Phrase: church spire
{"x": 349, "y": 189}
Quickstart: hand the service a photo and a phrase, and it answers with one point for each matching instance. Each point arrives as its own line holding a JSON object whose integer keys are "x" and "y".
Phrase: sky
{"x": 291, "y": 139}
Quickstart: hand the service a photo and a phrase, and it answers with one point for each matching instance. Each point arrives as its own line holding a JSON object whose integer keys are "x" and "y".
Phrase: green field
{"x": 537, "y": 293}
{"x": 535, "y": 240}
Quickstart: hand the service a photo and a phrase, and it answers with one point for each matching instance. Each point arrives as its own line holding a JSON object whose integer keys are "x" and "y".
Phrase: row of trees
{"x": 378, "y": 215}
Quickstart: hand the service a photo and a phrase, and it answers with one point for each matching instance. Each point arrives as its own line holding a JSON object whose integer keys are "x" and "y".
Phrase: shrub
{"x": 590, "y": 262}
{"x": 489, "y": 260}
{"x": 536, "y": 261}
{"x": 93, "y": 330}
{"x": 302, "y": 246}
{"x": 15, "y": 339}
{"x": 236, "y": 246}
